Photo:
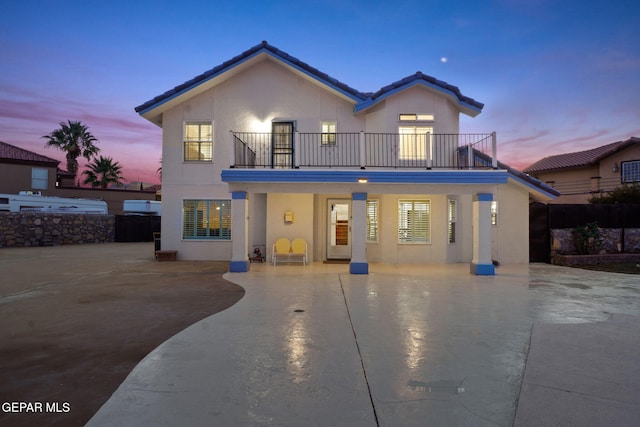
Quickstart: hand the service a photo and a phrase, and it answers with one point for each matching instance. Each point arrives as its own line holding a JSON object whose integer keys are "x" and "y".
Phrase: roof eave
{"x": 152, "y": 111}
{"x": 464, "y": 107}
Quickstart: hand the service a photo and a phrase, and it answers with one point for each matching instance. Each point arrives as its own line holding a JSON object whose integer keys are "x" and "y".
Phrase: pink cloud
{"x": 122, "y": 135}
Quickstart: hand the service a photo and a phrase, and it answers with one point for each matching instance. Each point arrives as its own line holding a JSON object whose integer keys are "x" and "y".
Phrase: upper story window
{"x": 630, "y": 171}
{"x": 328, "y": 133}
{"x": 412, "y": 144}
{"x": 198, "y": 141}
{"x": 414, "y": 117}
{"x": 39, "y": 178}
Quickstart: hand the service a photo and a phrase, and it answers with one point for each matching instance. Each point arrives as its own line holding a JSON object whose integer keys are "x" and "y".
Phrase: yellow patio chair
{"x": 299, "y": 249}
{"x": 281, "y": 249}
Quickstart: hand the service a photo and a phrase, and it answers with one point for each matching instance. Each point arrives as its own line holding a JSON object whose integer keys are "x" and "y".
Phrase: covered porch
{"x": 302, "y": 203}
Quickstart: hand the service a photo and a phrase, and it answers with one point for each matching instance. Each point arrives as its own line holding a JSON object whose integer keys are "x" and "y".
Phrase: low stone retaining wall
{"x": 562, "y": 242}
{"x": 45, "y": 229}
{"x": 571, "y": 260}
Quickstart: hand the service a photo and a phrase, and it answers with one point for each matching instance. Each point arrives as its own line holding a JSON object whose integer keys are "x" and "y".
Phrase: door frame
{"x": 282, "y": 152}
{"x": 342, "y": 253}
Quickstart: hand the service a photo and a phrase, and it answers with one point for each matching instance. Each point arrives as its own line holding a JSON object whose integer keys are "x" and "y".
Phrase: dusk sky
{"x": 555, "y": 76}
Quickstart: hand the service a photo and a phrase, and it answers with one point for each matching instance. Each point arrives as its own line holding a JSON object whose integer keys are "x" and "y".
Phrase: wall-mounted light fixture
{"x": 615, "y": 168}
{"x": 363, "y": 180}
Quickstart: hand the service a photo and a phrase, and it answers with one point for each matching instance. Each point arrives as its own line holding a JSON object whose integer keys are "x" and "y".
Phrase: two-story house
{"x": 24, "y": 170}
{"x": 581, "y": 175}
{"x": 265, "y": 146}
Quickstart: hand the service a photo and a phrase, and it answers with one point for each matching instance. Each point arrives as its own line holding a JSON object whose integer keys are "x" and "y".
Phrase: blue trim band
{"x": 359, "y": 196}
{"x": 470, "y": 177}
{"x": 238, "y": 195}
{"x": 239, "y": 266}
{"x": 359, "y": 268}
{"x": 483, "y": 269}
{"x": 483, "y": 197}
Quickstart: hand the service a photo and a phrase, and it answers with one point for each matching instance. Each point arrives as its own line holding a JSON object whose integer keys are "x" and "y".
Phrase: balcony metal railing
{"x": 364, "y": 150}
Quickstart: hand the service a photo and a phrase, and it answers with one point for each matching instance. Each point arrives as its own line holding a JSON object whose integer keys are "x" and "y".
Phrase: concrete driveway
{"x": 404, "y": 345}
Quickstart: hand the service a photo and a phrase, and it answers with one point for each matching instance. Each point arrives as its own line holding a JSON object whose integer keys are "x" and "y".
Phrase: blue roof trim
{"x": 363, "y": 100}
{"x": 539, "y": 186}
{"x": 420, "y": 79}
{"x": 263, "y": 47}
{"x": 373, "y": 177}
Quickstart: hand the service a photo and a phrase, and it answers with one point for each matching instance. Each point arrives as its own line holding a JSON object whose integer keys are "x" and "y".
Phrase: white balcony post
{"x": 296, "y": 150}
{"x": 363, "y": 153}
{"x": 429, "y": 148}
{"x": 470, "y": 156}
{"x": 233, "y": 147}
{"x": 494, "y": 148}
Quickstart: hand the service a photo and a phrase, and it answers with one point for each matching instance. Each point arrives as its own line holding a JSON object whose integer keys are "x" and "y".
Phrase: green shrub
{"x": 588, "y": 239}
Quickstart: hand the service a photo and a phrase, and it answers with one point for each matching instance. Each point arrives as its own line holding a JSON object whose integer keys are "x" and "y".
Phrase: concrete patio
{"x": 405, "y": 345}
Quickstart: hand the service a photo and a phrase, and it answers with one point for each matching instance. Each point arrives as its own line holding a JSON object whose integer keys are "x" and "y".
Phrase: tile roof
{"x": 363, "y": 99}
{"x": 580, "y": 158}
{"x": 12, "y": 154}
{"x": 419, "y": 77}
{"x": 515, "y": 173}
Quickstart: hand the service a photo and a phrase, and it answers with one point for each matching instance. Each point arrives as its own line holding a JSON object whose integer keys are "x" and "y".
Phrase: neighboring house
{"x": 581, "y": 175}
{"x": 265, "y": 146}
{"x": 24, "y": 170}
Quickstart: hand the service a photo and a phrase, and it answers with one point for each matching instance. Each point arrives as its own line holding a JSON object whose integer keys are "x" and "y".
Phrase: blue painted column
{"x": 481, "y": 263}
{"x": 239, "y": 232}
{"x": 359, "y": 264}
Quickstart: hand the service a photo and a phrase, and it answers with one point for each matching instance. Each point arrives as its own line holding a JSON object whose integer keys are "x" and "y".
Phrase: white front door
{"x": 339, "y": 229}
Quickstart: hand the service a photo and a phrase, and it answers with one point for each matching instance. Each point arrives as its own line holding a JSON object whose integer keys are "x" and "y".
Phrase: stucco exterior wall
{"x": 511, "y": 234}
{"x": 302, "y": 207}
{"x": 417, "y": 99}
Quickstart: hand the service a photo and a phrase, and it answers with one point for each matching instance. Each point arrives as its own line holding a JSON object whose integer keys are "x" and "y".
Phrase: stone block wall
{"x": 562, "y": 242}
{"x": 46, "y": 229}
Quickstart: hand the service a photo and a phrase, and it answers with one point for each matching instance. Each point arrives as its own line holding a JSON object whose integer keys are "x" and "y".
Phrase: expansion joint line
{"x": 355, "y": 337}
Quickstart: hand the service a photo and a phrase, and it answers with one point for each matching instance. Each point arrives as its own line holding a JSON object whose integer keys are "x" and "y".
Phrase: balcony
{"x": 364, "y": 150}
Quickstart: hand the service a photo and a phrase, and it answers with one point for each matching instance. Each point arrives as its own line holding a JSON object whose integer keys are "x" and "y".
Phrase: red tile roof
{"x": 12, "y": 154}
{"x": 580, "y": 158}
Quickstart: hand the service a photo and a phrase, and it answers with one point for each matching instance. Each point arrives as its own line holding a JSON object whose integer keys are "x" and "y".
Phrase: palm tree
{"x": 75, "y": 139}
{"x": 103, "y": 171}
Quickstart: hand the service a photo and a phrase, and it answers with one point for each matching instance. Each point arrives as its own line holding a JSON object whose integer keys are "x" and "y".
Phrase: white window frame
{"x": 412, "y": 142}
{"x": 415, "y": 117}
{"x": 373, "y": 220}
{"x": 452, "y": 216}
{"x": 412, "y": 230}
{"x": 494, "y": 212}
{"x": 630, "y": 171}
{"x": 39, "y": 178}
{"x": 201, "y": 140}
{"x": 328, "y": 131}
{"x": 200, "y": 223}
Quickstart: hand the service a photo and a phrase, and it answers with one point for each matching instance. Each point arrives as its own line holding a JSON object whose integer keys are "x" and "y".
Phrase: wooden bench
{"x": 166, "y": 255}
